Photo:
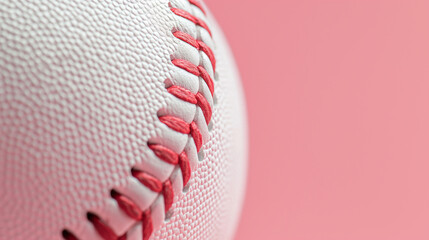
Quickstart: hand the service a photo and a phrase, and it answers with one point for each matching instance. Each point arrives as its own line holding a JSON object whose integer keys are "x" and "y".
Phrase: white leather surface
{"x": 81, "y": 84}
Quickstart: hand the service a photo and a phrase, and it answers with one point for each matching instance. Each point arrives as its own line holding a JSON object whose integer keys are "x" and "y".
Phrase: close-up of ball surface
{"x": 118, "y": 120}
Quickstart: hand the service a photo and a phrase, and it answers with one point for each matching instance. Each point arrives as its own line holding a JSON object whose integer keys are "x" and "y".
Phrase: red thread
{"x": 185, "y": 167}
{"x": 206, "y": 77}
{"x": 165, "y": 154}
{"x": 187, "y": 38}
{"x": 196, "y": 135}
{"x": 128, "y": 206}
{"x": 148, "y": 180}
{"x": 168, "y": 193}
{"x": 186, "y": 65}
{"x": 147, "y": 224}
{"x": 208, "y": 51}
{"x": 183, "y": 93}
{"x": 198, "y": 44}
{"x": 175, "y": 123}
{"x": 197, "y": 4}
{"x": 205, "y": 107}
{"x": 105, "y": 231}
{"x": 196, "y": 70}
{"x": 192, "y": 18}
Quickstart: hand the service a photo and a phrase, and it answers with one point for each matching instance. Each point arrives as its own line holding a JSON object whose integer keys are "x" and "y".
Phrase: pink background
{"x": 338, "y": 102}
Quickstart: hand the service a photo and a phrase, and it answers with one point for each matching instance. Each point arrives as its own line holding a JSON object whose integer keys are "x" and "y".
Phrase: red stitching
{"x": 146, "y": 179}
{"x": 186, "y": 65}
{"x": 176, "y": 124}
{"x": 208, "y": 51}
{"x": 196, "y": 135}
{"x": 127, "y": 205}
{"x": 198, "y": 44}
{"x": 147, "y": 224}
{"x": 165, "y": 154}
{"x": 103, "y": 229}
{"x": 192, "y": 18}
{"x": 206, "y": 77}
{"x": 185, "y": 167}
{"x": 205, "y": 106}
{"x": 183, "y": 94}
{"x": 187, "y": 38}
{"x": 168, "y": 193}
{"x": 197, "y": 4}
{"x": 196, "y": 70}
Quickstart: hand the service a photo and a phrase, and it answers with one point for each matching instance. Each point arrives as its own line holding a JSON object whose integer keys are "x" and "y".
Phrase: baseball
{"x": 118, "y": 120}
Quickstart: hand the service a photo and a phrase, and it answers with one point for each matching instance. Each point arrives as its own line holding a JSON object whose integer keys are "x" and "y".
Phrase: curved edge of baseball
{"x": 239, "y": 154}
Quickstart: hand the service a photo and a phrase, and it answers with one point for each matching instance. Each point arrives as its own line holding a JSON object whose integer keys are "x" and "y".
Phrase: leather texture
{"x": 82, "y": 86}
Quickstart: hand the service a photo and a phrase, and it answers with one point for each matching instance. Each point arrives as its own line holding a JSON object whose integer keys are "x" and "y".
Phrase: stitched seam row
{"x": 163, "y": 153}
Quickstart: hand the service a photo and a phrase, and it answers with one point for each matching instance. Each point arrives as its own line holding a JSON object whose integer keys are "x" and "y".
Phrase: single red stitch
{"x": 168, "y": 193}
{"x": 197, "y": 4}
{"x": 148, "y": 180}
{"x": 190, "y": 17}
{"x": 187, "y": 38}
{"x": 186, "y": 65}
{"x": 196, "y": 135}
{"x": 165, "y": 154}
{"x": 185, "y": 167}
{"x": 208, "y": 51}
{"x": 204, "y": 106}
{"x": 182, "y": 93}
{"x": 102, "y": 228}
{"x": 206, "y": 77}
{"x": 176, "y": 124}
{"x": 127, "y": 205}
{"x": 147, "y": 224}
